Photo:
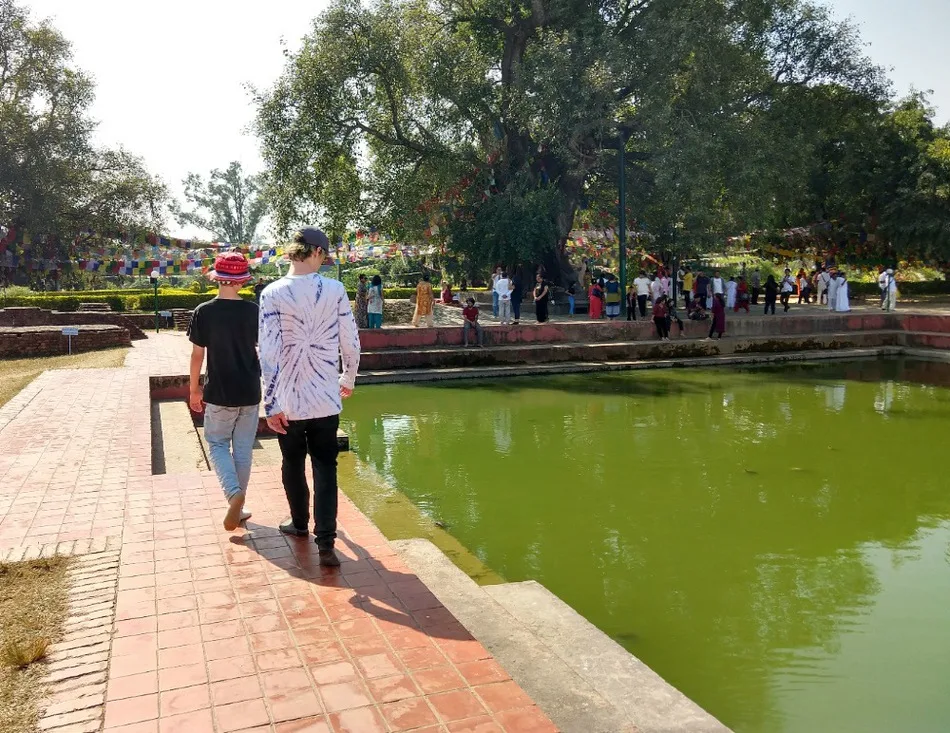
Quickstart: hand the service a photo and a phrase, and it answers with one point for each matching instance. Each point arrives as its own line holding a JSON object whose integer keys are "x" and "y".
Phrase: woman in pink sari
{"x": 595, "y": 300}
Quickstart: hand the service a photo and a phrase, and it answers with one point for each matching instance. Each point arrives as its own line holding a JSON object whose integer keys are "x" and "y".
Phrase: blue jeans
{"x": 494, "y": 304}
{"x": 375, "y": 320}
{"x": 230, "y": 432}
{"x": 570, "y": 305}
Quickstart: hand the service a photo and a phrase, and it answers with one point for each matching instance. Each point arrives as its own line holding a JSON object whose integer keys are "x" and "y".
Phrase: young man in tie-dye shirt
{"x": 306, "y": 324}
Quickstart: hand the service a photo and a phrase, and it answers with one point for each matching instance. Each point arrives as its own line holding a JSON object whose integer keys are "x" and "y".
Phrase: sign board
{"x": 165, "y": 314}
{"x": 69, "y": 331}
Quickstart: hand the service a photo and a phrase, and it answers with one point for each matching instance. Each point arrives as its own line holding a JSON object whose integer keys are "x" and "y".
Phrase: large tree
{"x": 229, "y": 204}
{"x": 497, "y": 119}
{"x": 53, "y": 180}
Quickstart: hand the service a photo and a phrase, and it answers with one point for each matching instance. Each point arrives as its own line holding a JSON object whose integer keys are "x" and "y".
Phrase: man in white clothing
{"x": 823, "y": 279}
{"x": 882, "y": 285}
{"x": 502, "y": 291}
{"x": 306, "y": 324}
{"x": 642, "y": 284}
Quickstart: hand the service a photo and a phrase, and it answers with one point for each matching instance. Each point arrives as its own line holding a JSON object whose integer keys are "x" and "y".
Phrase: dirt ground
{"x": 33, "y": 605}
{"x": 15, "y": 374}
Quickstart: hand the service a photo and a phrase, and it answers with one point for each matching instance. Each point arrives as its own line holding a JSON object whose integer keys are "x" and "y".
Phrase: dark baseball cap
{"x": 312, "y": 238}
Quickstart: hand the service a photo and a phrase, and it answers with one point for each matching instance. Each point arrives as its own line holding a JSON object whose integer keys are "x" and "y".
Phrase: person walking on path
{"x": 612, "y": 296}
{"x": 571, "y": 292}
{"x": 882, "y": 280}
{"x": 306, "y": 327}
{"x": 771, "y": 294}
{"x": 672, "y": 315}
{"x": 718, "y": 286}
{"x": 718, "y": 324}
{"x": 362, "y": 300}
{"x": 542, "y": 295}
{"x": 702, "y": 289}
{"x": 788, "y": 287}
{"x": 890, "y": 302}
{"x": 424, "y": 302}
{"x": 374, "y": 305}
{"x": 470, "y": 322}
{"x": 494, "y": 294}
{"x": 631, "y": 303}
{"x": 732, "y": 291}
{"x": 756, "y": 282}
{"x": 517, "y": 294}
{"x": 681, "y": 279}
{"x": 822, "y": 286}
{"x": 660, "y": 314}
{"x": 687, "y": 288}
{"x": 642, "y": 284}
{"x": 842, "y": 303}
{"x": 742, "y": 295}
{"x": 833, "y": 291}
{"x": 225, "y": 329}
{"x": 804, "y": 289}
{"x": 503, "y": 291}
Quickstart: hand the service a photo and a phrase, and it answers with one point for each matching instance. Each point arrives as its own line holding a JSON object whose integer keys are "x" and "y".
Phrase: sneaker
{"x": 289, "y": 528}
{"x": 246, "y": 514}
{"x": 235, "y": 505}
{"x": 328, "y": 558}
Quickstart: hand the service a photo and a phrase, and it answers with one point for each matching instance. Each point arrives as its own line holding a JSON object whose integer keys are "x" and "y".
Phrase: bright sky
{"x": 171, "y": 76}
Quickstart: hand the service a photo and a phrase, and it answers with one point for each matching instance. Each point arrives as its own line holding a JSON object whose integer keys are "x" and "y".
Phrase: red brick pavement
{"x": 225, "y": 632}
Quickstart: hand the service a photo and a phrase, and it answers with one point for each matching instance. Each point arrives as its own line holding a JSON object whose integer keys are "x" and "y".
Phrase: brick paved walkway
{"x": 217, "y": 632}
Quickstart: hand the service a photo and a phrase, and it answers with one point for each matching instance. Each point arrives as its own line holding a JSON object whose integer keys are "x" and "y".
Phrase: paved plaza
{"x": 180, "y": 627}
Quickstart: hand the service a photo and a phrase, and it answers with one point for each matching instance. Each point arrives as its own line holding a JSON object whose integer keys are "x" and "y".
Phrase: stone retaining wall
{"x": 18, "y": 317}
{"x": 31, "y": 341}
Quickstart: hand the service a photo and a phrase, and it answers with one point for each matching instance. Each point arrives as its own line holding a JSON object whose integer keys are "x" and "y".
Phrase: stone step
{"x": 583, "y": 680}
{"x": 457, "y": 357}
{"x": 393, "y": 376}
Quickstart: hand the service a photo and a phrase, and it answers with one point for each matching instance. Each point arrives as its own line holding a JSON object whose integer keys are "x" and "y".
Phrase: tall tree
{"x": 53, "y": 180}
{"x": 497, "y": 120}
{"x": 230, "y": 204}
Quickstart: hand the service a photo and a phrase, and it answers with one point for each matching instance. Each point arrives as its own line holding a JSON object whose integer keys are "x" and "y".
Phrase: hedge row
{"x": 168, "y": 299}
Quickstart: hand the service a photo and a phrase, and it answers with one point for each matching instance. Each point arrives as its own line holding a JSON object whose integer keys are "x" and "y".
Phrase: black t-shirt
{"x": 228, "y": 330}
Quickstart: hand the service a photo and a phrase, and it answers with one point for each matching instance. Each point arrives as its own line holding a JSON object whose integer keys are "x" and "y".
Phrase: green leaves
{"x": 229, "y": 204}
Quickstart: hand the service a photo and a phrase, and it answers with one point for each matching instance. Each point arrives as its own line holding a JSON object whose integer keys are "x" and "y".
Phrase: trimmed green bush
{"x": 57, "y": 302}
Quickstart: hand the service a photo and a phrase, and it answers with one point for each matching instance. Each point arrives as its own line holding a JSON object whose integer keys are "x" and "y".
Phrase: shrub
{"x": 57, "y": 302}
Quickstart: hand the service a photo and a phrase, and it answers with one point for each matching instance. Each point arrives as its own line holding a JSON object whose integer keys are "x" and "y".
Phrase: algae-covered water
{"x": 775, "y": 542}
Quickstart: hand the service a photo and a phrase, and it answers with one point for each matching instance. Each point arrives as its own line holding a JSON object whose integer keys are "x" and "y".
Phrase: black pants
{"x": 669, "y": 324}
{"x": 712, "y": 329}
{"x": 785, "y": 299}
{"x": 662, "y": 328}
{"x": 769, "y": 303}
{"x": 631, "y": 309}
{"x": 804, "y": 295}
{"x": 642, "y": 305}
{"x": 755, "y": 296}
{"x": 316, "y": 438}
{"x": 687, "y": 297}
{"x": 516, "y": 308}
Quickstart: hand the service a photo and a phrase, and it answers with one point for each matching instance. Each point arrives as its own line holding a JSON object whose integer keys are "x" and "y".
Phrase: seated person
{"x": 446, "y": 293}
{"x": 697, "y": 310}
{"x": 470, "y": 316}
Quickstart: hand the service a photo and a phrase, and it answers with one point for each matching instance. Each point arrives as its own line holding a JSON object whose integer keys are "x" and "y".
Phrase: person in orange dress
{"x": 424, "y": 299}
{"x": 595, "y": 299}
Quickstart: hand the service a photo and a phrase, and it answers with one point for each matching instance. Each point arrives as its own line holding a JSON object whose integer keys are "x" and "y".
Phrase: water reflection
{"x": 730, "y": 528}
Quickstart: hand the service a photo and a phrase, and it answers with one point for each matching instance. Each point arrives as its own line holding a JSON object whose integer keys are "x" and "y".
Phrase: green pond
{"x": 775, "y": 542}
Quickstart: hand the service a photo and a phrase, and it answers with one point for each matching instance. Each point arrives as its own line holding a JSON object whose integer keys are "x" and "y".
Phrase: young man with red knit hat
{"x": 225, "y": 329}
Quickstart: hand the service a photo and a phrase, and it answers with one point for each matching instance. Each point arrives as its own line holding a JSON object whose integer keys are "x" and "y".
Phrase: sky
{"x": 171, "y": 77}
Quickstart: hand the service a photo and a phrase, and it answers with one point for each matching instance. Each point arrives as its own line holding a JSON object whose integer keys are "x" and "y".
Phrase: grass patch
{"x": 33, "y": 606}
{"x": 15, "y": 374}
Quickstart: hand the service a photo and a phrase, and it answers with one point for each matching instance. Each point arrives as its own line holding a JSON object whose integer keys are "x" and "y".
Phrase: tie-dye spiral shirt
{"x": 306, "y": 323}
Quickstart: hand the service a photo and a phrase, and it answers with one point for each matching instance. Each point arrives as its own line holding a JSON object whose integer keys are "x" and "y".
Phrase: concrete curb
{"x": 583, "y": 680}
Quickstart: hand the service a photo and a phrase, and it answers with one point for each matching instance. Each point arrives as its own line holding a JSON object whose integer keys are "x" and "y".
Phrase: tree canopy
{"x": 490, "y": 124}
{"x": 53, "y": 180}
{"x": 229, "y": 204}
